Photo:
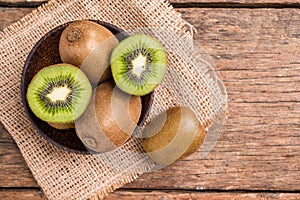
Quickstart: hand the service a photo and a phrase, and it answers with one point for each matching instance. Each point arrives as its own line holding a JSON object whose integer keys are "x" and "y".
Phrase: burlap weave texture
{"x": 189, "y": 81}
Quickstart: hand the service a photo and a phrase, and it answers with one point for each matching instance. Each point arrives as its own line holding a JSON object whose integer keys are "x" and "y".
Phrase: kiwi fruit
{"x": 138, "y": 64}
{"x": 62, "y": 126}
{"x": 110, "y": 118}
{"x": 88, "y": 45}
{"x": 173, "y": 135}
{"x": 59, "y": 93}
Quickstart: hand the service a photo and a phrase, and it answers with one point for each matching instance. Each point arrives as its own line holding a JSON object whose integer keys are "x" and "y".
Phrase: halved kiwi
{"x": 59, "y": 93}
{"x": 138, "y": 64}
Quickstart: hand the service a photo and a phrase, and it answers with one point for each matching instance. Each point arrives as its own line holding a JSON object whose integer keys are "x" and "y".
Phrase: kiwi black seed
{"x": 88, "y": 45}
{"x": 59, "y": 93}
{"x": 173, "y": 135}
{"x": 138, "y": 64}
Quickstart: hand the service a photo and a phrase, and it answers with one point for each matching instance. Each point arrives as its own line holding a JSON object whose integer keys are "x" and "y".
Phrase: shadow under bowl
{"x": 45, "y": 53}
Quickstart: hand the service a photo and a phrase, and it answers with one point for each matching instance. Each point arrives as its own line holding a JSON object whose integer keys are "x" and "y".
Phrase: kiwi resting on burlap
{"x": 88, "y": 45}
{"x": 173, "y": 135}
{"x": 110, "y": 119}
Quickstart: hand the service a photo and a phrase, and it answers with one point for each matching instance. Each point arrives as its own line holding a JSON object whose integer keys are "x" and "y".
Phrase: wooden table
{"x": 255, "y": 45}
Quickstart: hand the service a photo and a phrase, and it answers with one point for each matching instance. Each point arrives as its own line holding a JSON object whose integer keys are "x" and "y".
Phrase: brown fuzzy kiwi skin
{"x": 180, "y": 136}
{"x": 62, "y": 126}
{"x": 88, "y": 45}
{"x": 110, "y": 118}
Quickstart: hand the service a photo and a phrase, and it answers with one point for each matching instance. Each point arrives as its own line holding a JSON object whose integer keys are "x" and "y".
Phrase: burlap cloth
{"x": 190, "y": 80}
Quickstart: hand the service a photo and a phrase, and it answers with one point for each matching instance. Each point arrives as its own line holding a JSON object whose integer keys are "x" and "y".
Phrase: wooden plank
{"x": 181, "y": 195}
{"x": 30, "y": 194}
{"x": 237, "y": 2}
{"x": 179, "y": 3}
{"x": 11, "y": 15}
{"x": 22, "y": 2}
{"x": 13, "y": 170}
{"x": 257, "y": 54}
{"x": 21, "y": 194}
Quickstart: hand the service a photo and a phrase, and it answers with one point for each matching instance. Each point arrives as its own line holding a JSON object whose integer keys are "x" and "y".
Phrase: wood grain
{"x": 33, "y": 194}
{"x": 28, "y": 3}
{"x": 21, "y": 194}
{"x": 13, "y": 170}
{"x": 181, "y": 195}
{"x": 10, "y": 15}
{"x": 238, "y": 2}
{"x": 181, "y": 3}
{"x": 257, "y": 53}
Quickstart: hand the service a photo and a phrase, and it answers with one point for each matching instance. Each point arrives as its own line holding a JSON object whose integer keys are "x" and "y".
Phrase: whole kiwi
{"x": 110, "y": 119}
{"x": 173, "y": 135}
{"x": 88, "y": 45}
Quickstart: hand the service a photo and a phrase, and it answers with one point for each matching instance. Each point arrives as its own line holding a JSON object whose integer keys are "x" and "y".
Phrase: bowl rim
{"x": 23, "y": 89}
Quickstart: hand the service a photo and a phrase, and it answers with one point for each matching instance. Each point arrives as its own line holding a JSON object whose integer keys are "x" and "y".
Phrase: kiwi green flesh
{"x": 138, "y": 64}
{"x": 59, "y": 93}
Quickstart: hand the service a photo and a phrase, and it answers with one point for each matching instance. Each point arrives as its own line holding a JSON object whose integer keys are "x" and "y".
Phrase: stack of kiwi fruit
{"x": 97, "y": 89}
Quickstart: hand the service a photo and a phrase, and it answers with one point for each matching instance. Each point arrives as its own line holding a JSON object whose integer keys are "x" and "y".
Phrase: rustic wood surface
{"x": 183, "y": 3}
{"x": 25, "y": 194}
{"x": 254, "y": 3}
{"x": 257, "y": 53}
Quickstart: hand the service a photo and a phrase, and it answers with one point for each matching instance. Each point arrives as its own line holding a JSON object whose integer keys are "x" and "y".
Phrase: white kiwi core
{"x": 139, "y": 65}
{"x": 59, "y": 93}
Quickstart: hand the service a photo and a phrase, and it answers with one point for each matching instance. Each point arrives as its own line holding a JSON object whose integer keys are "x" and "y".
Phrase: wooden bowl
{"x": 45, "y": 53}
